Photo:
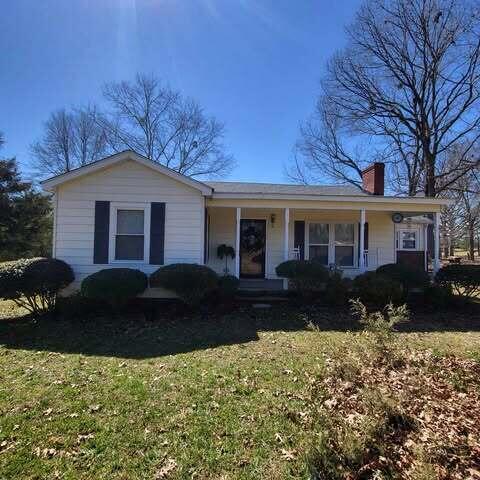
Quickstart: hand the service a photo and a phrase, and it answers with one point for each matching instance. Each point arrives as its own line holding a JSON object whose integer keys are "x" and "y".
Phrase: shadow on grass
{"x": 174, "y": 331}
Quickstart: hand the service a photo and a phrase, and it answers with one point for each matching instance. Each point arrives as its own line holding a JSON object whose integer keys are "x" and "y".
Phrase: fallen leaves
{"x": 435, "y": 404}
{"x": 288, "y": 455}
{"x": 169, "y": 465}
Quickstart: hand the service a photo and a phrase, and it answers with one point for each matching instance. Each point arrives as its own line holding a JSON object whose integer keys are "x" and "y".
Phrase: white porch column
{"x": 436, "y": 242}
{"x": 425, "y": 247}
{"x": 286, "y": 232}
{"x": 286, "y": 242}
{"x": 237, "y": 242}
{"x": 361, "y": 258}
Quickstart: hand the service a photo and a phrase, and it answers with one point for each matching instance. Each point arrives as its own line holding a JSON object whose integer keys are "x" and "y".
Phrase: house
{"x": 127, "y": 211}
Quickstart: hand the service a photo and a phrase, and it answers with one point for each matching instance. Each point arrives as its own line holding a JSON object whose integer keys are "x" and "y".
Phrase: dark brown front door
{"x": 252, "y": 248}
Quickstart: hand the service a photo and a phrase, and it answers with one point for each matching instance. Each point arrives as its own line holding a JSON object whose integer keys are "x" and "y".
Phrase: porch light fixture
{"x": 273, "y": 217}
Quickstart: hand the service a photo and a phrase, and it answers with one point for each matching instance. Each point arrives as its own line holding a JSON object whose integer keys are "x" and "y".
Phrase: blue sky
{"x": 254, "y": 64}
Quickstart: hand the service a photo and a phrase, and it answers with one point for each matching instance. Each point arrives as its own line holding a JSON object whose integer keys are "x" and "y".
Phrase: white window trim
{"x": 399, "y": 239}
{"x": 331, "y": 242}
{"x": 114, "y": 207}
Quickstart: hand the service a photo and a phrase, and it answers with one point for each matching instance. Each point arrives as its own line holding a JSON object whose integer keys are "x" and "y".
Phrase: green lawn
{"x": 228, "y": 397}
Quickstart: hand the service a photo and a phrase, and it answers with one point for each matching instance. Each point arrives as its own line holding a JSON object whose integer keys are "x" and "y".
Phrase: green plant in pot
{"x": 224, "y": 252}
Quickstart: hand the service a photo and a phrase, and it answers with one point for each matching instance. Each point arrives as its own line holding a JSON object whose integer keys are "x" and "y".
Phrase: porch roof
{"x": 327, "y": 202}
{"x": 254, "y": 188}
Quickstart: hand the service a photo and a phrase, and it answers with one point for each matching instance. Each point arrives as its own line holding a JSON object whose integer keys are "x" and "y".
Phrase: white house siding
{"x": 128, "y": 182}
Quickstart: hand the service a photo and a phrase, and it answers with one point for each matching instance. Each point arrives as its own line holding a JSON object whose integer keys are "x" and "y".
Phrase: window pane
{"x": 130, "y": 222}
{"x": 408, "y": 240}
{"x": 129, "y": 247}
{"x": 319, "y": 253}
{"x": 318, "y": 233}
{"x": 344, "y": 256}
{"x": 344, "y": 234}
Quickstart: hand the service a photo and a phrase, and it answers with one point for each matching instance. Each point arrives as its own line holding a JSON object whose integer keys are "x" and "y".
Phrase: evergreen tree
{"x": 25, "y": 216}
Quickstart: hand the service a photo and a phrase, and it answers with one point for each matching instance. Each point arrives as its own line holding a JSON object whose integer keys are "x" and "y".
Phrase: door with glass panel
{"x": 253, "y": 235}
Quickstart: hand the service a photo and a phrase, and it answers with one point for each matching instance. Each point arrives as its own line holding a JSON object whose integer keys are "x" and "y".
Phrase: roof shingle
{"x": 279, "y": 188}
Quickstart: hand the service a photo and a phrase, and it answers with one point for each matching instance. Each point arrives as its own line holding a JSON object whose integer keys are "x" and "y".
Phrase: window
{"x": 332, "y": 243}
{"x": 344, "y": 244}
{"x": 408, "y": 239}
{"x": 318, "y": 239}
{"x": 130, "y": 235}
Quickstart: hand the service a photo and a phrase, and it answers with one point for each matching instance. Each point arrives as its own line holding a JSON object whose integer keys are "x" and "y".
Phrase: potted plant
{"x": 223, "y": 252}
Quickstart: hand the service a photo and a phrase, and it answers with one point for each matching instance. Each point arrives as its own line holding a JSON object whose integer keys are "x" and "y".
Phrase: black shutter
{"x": 157, "y": 233}
{"x": 101, "y": 233}
{"x": 299, "y": 237}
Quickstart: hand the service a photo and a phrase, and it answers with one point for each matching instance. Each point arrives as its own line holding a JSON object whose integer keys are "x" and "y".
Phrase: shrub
{"x": 191, "y": 282}
{"x": 407, "y": 275}
{"x": 338, "y": 289}
{"x": 463, "y": 279}
{"x": 228, "y": 286}
{"x": 116, "y": 286}
{"x": 78, "y": 307}
{"x": 306, "y": 276}
{"x": 437, "y": 296}
{"x": 376, "y": 289}
{"x": 34, "y": 283}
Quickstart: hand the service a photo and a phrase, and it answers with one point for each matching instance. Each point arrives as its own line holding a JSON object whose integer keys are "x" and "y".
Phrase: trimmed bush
{"x": 34, "y": 283}
{"x": 464, "y": 280}
{"x": 407, "y": 275}
{"x": 116, "y": 286}
{"x": 436, "y": 296}
{"x": 228, "y": 286}
{"x": 377, "y": 290}
{"x": 190, "y": 281}
{"x": 337, "y": 291}
{"x": 306, "y": 276}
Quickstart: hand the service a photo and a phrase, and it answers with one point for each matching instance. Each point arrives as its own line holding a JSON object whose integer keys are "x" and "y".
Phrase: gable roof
{"x": 52, "y": 182}
{"x": 284, "y": 188}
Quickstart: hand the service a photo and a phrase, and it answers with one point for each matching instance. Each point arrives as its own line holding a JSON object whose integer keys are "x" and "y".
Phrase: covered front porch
{"x": 351, "y": 239}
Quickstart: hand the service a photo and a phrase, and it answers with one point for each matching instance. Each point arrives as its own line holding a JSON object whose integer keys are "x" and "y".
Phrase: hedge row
{"x": 34, "y": 283}
{"x": 390, "y": 283}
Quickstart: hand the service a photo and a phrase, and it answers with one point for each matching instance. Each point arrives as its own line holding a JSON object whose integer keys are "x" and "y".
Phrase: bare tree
{"x": 468, "y": 199}
{"x": 152, "y": 119}
{"x": 71, "y": 139}
{"x": 407, "y": 89}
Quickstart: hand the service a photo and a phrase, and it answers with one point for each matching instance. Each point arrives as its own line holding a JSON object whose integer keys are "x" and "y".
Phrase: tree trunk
{"x": 430, "y": 189}
{"x": 471, "y": 241}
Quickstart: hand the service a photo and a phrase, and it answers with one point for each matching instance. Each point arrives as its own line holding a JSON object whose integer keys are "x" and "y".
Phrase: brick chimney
{"x": 373, "y": 178}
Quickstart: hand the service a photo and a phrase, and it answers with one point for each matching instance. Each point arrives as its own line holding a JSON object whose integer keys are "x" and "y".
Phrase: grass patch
{"x": 235, "y": 396}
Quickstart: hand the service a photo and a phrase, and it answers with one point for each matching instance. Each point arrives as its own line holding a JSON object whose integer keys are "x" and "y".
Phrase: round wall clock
{"x": 397, "y": 218}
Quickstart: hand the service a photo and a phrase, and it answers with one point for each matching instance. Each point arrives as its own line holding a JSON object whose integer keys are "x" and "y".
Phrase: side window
{"x": 130, "y": 235}
{"x": 344, "y": 244}
{"x": 318, "y": 240}
{"x": 407, "y": 240}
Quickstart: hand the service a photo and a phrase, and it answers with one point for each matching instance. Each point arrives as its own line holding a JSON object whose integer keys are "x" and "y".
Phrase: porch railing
{"x": 370, "y": 258}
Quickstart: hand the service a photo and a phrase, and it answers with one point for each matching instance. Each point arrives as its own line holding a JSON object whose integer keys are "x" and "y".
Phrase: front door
{"x": 253, "y": 234}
